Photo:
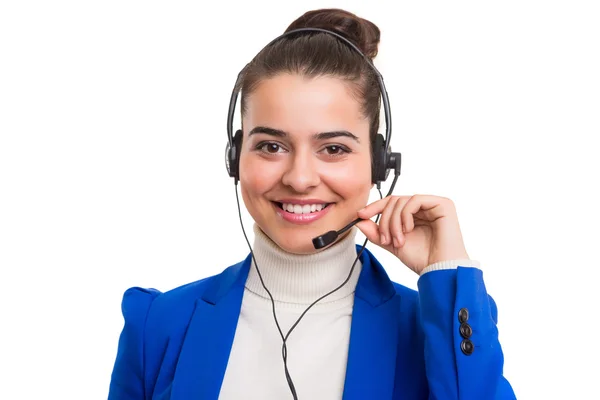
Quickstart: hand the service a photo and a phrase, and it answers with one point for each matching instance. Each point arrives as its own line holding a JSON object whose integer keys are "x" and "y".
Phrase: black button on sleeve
{"x": 463, "y": 315}
{"x": 467, "y": 347}
{"x": 465, "y": 330}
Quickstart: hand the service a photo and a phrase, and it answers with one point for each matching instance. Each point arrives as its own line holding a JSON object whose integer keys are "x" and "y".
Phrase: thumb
{"x": 370, "y": 230}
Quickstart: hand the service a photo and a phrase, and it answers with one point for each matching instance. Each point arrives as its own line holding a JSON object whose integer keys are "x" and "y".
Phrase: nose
{"x": 302, "y": 173}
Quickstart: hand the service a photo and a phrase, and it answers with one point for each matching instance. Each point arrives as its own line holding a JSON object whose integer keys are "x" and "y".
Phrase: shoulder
{"x": 174, "y": 307}
{"x": 184, "y": 295}
{"x": 142, "y": 299}
{"x": 149, "y": 311}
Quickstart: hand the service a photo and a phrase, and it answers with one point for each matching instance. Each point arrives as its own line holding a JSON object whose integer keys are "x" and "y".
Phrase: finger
{"x": 410, "y": 209}
{"x": 377, "y": 206}
{"x": 374, "y": 208}
{"x": 384, "y": 222}
{"x": 428, "y": 207}
{"x": 370, "y": 230}
{"x": 396, "y": 223}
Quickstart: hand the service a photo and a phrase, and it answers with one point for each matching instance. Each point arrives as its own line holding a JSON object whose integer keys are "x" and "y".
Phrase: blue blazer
{"x": 438, "y": 343}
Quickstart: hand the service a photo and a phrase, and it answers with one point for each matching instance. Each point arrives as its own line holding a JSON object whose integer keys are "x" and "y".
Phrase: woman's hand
{"x": 420, "y": 230}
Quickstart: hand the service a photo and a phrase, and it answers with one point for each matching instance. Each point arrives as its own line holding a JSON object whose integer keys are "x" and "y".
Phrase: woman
{"x": 272, "y": 326}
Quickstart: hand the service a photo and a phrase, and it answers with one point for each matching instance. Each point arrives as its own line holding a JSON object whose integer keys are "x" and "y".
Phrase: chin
{"x": 299, "y": 239}
{"x": 296, "y": 241}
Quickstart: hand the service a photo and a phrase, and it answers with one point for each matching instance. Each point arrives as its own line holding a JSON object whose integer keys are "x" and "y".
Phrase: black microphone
{"x": 327, "y": 238}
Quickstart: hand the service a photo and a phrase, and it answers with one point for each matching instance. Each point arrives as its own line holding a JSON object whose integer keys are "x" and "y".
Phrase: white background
{"x": 112, "y": 123}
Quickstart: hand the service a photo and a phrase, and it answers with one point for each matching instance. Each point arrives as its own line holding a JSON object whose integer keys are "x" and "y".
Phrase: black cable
{"x": 255, "y": 263}
{"x": 284, "y": 338}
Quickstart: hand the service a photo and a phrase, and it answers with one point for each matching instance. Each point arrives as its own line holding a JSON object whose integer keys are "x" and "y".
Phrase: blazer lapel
{"x": 374, "y": 335}
{"x": 207, "y": 344}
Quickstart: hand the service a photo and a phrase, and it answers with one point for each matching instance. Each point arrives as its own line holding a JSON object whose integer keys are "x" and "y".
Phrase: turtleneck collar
{"x": 298, "y": 279}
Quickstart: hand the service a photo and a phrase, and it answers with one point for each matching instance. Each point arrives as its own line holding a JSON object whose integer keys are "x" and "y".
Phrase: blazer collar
{"x": 233, "y": 278}
{"x": 373, "y": 340}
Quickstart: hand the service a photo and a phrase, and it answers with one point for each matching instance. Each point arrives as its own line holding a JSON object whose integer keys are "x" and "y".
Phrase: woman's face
{"x": 305, "y": 163}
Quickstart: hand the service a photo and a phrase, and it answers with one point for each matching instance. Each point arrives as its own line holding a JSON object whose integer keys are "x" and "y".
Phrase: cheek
{"x": 353, "y": 182}
{"x": 257, "y": 182}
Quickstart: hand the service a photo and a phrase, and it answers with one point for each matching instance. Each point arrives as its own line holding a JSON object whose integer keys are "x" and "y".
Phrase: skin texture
{"x": 418, "y": 229}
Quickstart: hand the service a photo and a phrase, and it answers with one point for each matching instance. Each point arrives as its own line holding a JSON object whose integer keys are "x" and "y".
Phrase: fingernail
{"x": 383, "y": 239}
{"x": 396, "y": 243}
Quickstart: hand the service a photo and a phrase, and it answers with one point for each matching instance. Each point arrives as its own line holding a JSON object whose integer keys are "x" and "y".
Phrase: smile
{"x": 301, "y": 213}
{"x": 302, "y": 208}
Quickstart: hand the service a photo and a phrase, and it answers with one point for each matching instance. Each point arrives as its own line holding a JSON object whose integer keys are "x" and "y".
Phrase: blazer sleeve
{"x": 463, "y": 357}
{"x": 127, "y": 379}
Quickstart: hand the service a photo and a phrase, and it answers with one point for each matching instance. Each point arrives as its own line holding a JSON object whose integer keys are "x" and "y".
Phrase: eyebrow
{"x": 317, "y": 136}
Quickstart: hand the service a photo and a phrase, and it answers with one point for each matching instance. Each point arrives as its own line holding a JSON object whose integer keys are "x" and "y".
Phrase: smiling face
{"x": 305, "y": 163}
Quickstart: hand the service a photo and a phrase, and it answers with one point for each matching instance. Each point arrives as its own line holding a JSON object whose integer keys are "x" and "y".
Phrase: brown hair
{"x": 315, "y": 54}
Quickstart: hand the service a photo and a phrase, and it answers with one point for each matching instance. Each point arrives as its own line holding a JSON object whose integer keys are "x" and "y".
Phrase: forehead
{"x": 295, "y": 103}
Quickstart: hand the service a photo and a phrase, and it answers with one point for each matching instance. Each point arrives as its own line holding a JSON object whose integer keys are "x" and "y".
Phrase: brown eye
{"x": 272, "y": 147}
{"x": 335, "y": 150}
{"x": 269, "y": 147}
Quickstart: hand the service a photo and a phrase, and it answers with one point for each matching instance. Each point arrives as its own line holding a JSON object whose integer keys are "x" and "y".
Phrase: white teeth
{"x": 302, "y": 209}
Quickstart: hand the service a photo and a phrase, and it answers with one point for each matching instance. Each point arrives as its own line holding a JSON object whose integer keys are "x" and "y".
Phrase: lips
{"x": 298, "y": 216}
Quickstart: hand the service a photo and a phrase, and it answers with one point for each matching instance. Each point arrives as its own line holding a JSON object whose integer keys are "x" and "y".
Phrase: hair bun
{"x": 361, "y": 32}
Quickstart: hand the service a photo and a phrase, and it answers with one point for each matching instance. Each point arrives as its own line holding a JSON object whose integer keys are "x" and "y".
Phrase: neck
{"x": 296, "y": 279}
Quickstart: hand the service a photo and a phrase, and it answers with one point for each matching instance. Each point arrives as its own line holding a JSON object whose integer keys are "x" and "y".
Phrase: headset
{"x": 383, "y": 160}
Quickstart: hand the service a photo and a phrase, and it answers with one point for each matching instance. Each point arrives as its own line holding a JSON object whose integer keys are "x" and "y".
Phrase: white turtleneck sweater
{"x": 318, "y": 346}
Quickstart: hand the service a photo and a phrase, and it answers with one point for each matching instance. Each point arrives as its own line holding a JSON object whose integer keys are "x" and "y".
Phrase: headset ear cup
{"x": 378, "y": 172}
{"x": 233, "y": 156}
